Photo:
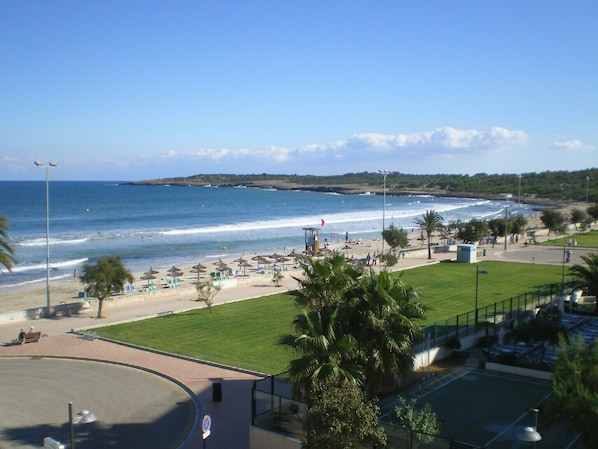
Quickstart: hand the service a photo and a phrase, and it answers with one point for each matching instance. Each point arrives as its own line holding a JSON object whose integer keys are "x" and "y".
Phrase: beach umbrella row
{"x": 222, "y": 266}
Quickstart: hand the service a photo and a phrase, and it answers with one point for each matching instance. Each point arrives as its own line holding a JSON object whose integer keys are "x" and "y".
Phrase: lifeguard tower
{"x": 312, "y": 240}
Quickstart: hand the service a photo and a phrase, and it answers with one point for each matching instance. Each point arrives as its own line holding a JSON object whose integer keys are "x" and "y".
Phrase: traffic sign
{"x": 205, "y": 426}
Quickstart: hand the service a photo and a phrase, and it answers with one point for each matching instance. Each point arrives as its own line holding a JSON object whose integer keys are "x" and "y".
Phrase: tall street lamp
{"x": 47, "y": 168}
{"x": 384, "y": 173}
{"x": 477, "y": 283}
{"x": 520, "y": 175}
{"x": 507, "y": 197}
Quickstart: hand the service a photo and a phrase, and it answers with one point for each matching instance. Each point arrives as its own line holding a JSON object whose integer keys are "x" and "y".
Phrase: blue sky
{"x": 131, "y": 90}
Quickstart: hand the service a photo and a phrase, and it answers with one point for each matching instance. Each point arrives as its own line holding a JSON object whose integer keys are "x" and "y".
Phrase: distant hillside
{"x": 544, "y": 187}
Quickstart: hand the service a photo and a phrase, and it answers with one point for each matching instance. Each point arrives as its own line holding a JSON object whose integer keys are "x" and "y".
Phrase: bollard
{"x": 217, "y": 391}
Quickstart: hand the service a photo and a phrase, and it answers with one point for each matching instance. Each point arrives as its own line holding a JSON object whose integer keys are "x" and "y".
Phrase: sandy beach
{"x": 67, "y": 290}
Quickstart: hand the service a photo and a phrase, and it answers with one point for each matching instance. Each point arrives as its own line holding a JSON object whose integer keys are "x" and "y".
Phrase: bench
{"x": 89, "y": 335}
{"x": 29, "y": 337}
{"x": 168, "y": 312}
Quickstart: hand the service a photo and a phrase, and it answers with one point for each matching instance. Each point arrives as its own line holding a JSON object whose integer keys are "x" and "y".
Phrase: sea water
{"x": 161, "y": 226}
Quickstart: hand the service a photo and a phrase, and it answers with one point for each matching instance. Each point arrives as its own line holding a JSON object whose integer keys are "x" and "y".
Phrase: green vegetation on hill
{"x": 535, "y": 187}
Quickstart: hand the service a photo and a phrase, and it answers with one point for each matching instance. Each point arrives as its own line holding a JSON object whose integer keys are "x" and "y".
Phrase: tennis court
{"x": 485, "y": 409}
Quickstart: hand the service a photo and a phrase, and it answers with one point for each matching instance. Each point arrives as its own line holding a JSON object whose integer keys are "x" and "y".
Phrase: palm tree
{"x": 430, "y": 221}
{"x": 385, "y": 328}
{"x": 356, "y": 326}
{"x": 6, "y": 250}
{"x": 327, "y": 353}
{"x": 324, "y": 282}
{"x": 105, "y": 278}
{"x": 587, "y": 276}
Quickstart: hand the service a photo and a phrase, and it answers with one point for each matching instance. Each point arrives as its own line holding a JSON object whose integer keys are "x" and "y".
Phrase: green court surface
{"x": 485, "y": 408}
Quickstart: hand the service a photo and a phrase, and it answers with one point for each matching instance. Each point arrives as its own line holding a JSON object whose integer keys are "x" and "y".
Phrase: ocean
{"x": 161, "y": 226}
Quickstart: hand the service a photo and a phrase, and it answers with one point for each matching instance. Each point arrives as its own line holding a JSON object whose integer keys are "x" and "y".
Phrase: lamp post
{"x": 530, "y": 434}
{"x": 384, "y": 173}
{"x": 563, "y": 274}
{"x": 507, "y": 197}
{"x": 520, "y": 176}
{"x": 47, "y": 168}
{"x": 83, "y": 417}
{"x": 477, "y": 283}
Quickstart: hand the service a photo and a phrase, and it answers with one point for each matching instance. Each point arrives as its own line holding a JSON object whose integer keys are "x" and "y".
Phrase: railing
{"x": 465, "y": 324}
{"x": 274, "y": 408}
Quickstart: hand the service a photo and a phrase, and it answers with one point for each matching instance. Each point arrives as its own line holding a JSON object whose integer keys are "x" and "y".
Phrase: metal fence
{"x": 439, "y": 333}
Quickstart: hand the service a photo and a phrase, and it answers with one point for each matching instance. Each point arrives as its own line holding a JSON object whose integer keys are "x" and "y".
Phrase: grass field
{"x": 449, "y": 289}
{"x": 244, "y": 334}
{"x": 585, "y": 240}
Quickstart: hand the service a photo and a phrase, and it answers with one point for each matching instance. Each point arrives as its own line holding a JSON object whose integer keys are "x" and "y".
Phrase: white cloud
{"x": 280, "y": 154}
{"x": 361, "y": 151}
{"x": 441, "y": 142}
{"x": 571, "y": 145}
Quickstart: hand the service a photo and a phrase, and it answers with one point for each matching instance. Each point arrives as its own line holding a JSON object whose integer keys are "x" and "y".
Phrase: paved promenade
{"x": 230, "y": 416}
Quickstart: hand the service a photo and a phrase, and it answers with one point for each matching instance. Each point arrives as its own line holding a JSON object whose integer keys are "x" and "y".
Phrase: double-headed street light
{"x": 47, "y": 168}
{"x": 385, "y": 173}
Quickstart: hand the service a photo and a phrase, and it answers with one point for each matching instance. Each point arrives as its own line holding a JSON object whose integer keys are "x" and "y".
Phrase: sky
{"x": 134, "y": 90}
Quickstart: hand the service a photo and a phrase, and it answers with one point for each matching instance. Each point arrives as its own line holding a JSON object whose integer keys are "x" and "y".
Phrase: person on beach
{"x": 347, "y": 237}
{"x": 21, "y": 335}
{"x": 374, "y": 258}
{"x": 368, "y": 258}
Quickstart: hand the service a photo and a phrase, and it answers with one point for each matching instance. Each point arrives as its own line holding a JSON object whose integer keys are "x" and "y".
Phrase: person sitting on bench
{"x": 21, "y": 335}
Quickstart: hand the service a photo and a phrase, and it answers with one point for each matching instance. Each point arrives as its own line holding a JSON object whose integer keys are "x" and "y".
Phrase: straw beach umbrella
{"x": 298, "y": 256}
{"x": 275, "y": 256}
{"x": 198, "y": 271}
{"x": 260, "y": 260}
{"x": 174, "y": 272}
{"x": 244, "y": 265}
{"x": 149, "y": 277}
{"x": 151, "y": 271}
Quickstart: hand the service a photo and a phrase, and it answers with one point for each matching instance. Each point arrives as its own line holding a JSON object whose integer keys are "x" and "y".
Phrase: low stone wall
{"x": 36, "y": 313}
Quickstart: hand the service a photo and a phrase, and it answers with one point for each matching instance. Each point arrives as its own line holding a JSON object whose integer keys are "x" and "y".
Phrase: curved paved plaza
{"x": 134, "y": 408}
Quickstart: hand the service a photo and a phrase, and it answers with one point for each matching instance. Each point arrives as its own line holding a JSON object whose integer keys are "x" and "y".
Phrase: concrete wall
{"x": 40, "y": 312}
{"x": 518, "y": 371}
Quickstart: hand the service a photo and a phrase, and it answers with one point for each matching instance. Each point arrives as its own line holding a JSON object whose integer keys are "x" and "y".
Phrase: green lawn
{"x": 449, "y": 289}
{"x": 244, "y": 334}
{"x": 241, "y": 334}
{"x": 585, "y": 240}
